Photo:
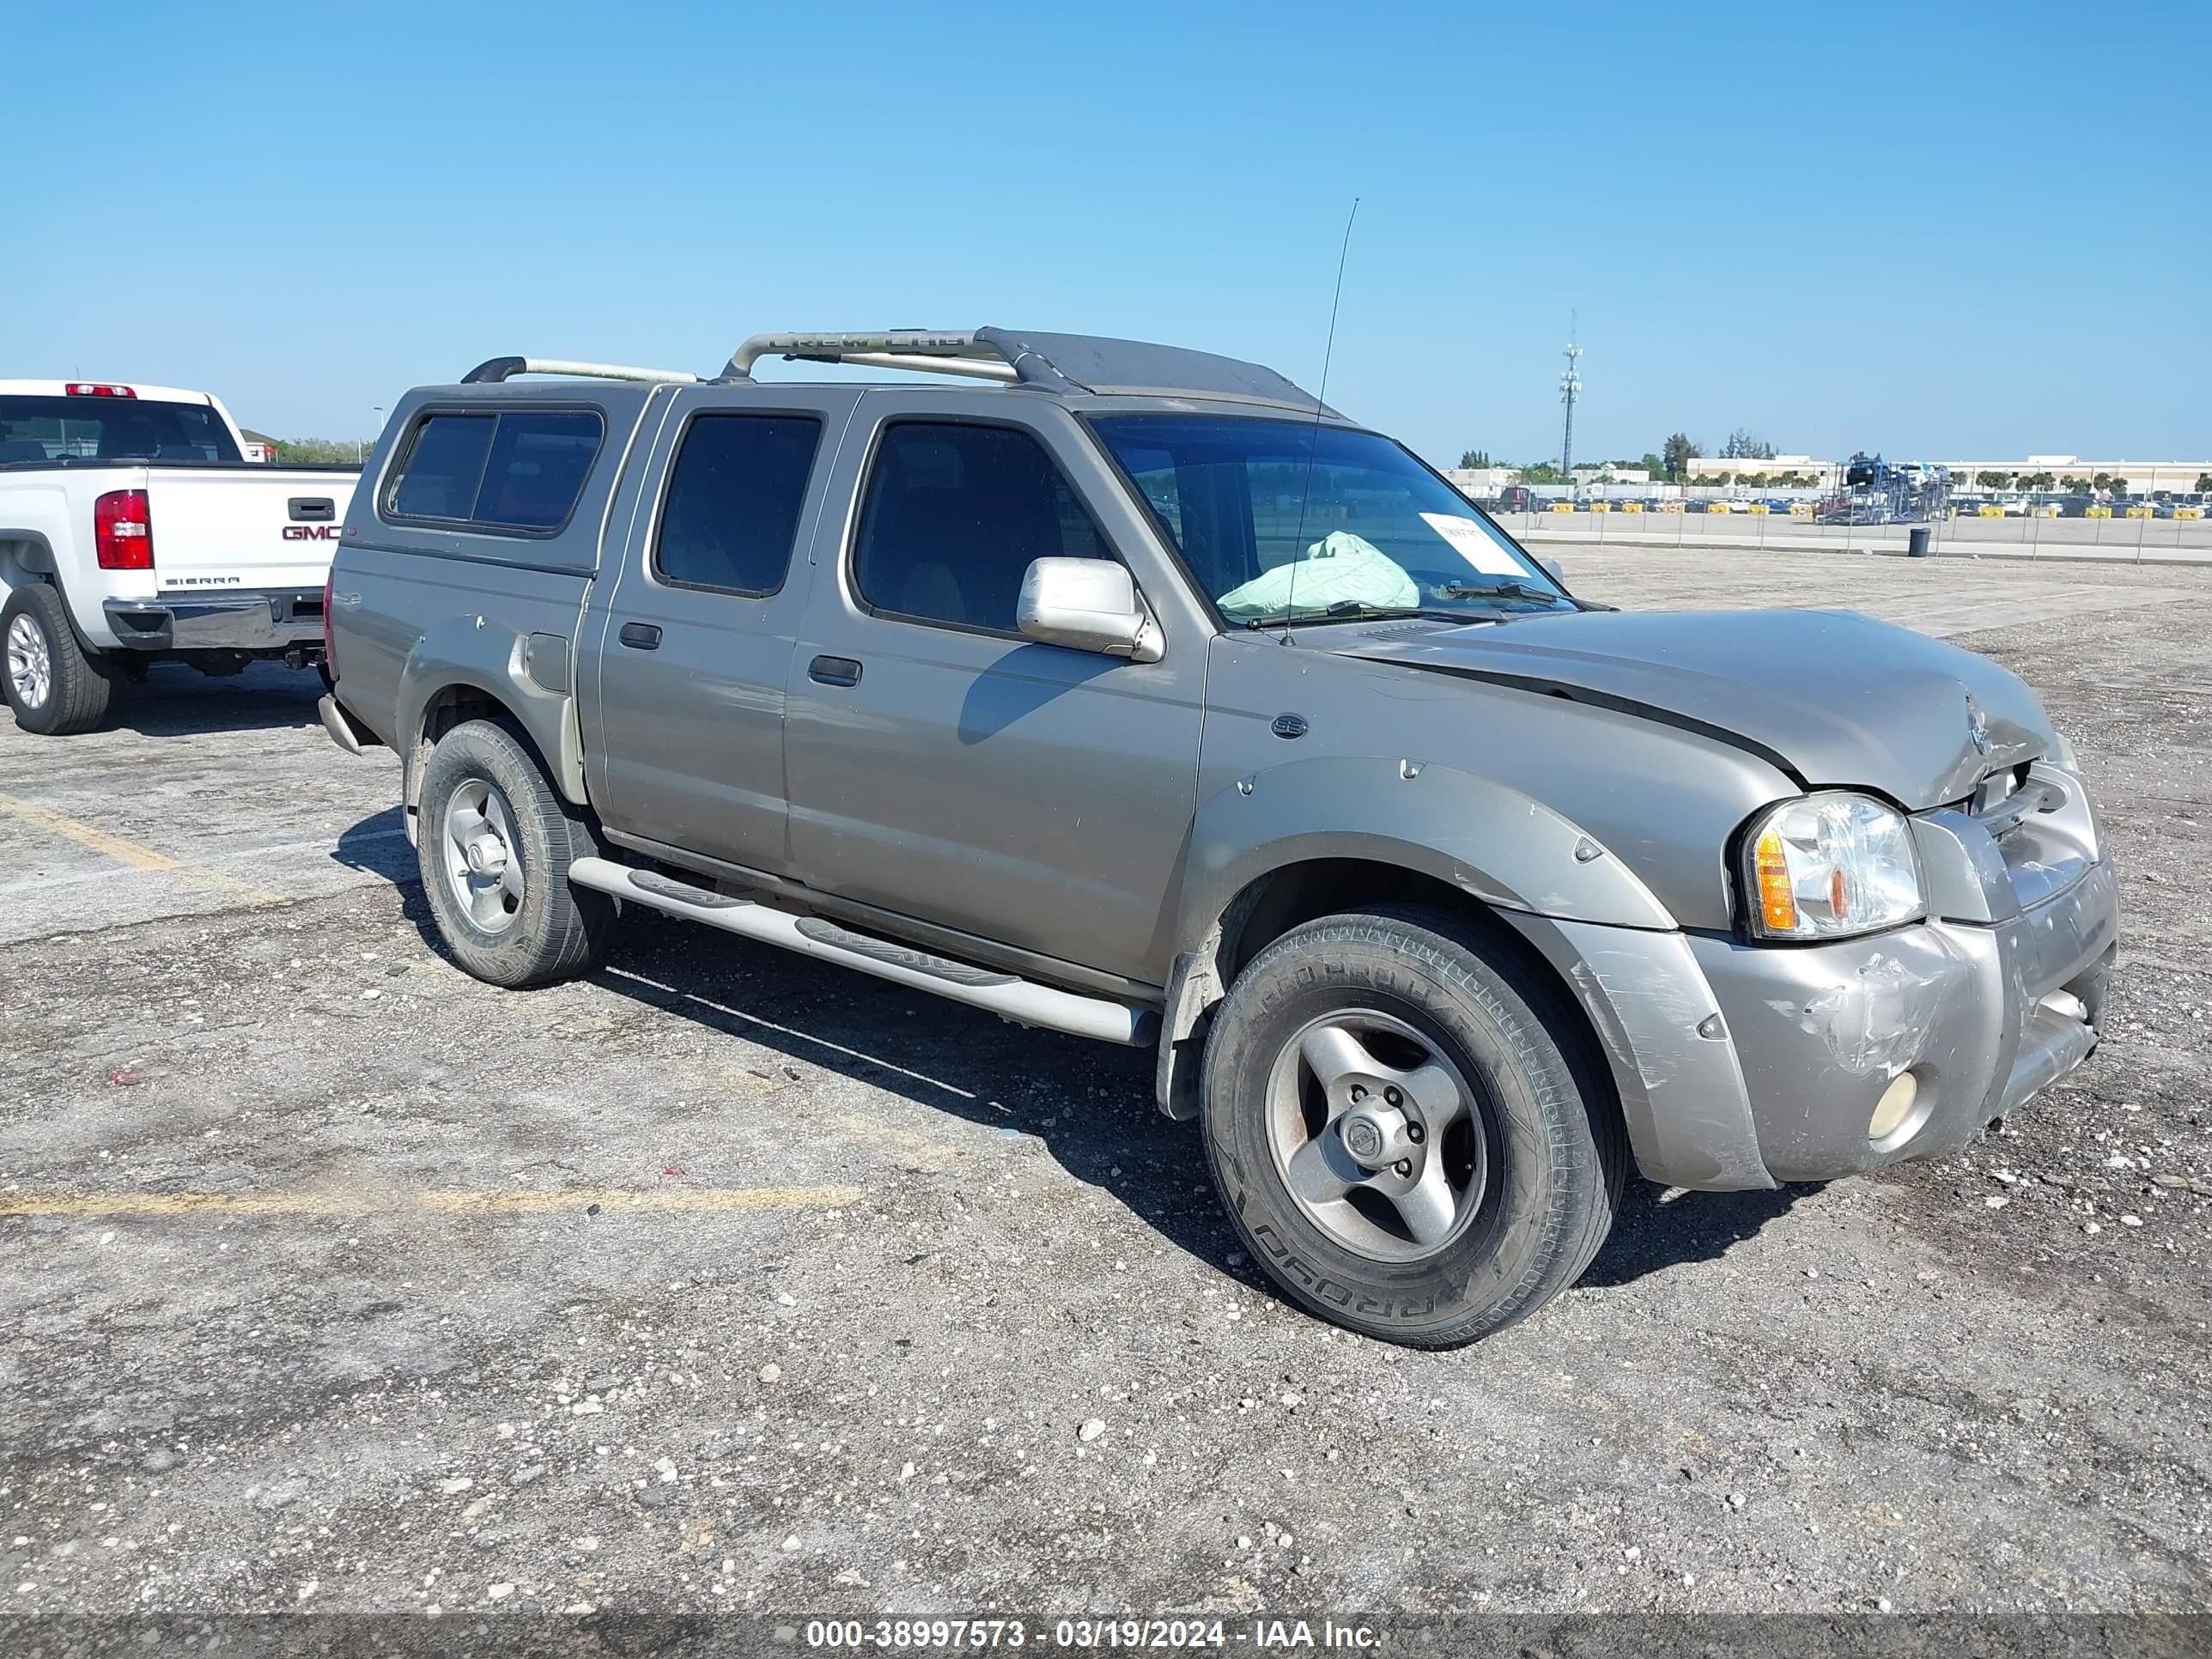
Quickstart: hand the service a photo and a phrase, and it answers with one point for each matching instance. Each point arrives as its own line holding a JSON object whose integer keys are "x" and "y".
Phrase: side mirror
{"x": 1087, "y": 604}
{"x": 1555, "y": 570}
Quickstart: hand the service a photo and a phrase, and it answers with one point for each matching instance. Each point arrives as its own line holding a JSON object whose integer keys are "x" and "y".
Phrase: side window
{"x": 539, "y": 460}
{"x": 733, "y": 500}
{"x": 440, "y": 478}
{"x": 521, "y": 470}
{"x": 953, "y": 515}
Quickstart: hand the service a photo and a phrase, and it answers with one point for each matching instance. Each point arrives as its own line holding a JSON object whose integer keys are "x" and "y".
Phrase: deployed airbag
{"x": 1338, "y": 568}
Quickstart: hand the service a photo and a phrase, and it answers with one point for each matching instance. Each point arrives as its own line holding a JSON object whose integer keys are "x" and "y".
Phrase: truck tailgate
{"x": 254, "y": 528}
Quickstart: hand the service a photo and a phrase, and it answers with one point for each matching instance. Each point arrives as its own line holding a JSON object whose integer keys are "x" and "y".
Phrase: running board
{"x": 1022, "y": 1000}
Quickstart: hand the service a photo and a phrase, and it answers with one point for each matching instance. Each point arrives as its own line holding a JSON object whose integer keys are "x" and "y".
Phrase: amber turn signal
{"x": 1777, "y": 905}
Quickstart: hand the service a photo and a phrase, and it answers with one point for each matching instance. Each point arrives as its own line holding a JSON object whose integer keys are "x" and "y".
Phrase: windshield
{"x": 39, "y": 429}
{"x": 1286, "y": 519}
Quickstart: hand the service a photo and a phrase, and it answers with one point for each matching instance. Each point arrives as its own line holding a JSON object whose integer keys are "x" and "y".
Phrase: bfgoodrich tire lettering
{"x": 510, "y": 917}
{"x": 54, "y": 688}
{"x": 1539, "y": 1185}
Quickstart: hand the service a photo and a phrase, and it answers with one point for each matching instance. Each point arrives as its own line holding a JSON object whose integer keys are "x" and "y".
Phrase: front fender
{"x": 472, "y": 651}
{"x": 1490, "y": 842}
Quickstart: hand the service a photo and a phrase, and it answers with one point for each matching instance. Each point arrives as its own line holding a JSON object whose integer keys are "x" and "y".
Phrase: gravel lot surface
{"x": 331, "y": 1278}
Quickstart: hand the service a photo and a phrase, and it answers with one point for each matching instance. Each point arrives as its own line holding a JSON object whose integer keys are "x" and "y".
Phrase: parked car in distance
{"x": 133, "y": 530}
{"x": 1136, "y": 695}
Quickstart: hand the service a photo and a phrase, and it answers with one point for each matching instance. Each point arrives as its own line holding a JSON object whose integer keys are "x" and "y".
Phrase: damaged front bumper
{"x": 1746, "y": 1065}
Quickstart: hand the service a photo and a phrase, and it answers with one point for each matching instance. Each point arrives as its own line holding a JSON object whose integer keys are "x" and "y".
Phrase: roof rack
{"x": 1062, "y": 363}
{"x": 928, "y": 353}
{"x": 494, "y": 370}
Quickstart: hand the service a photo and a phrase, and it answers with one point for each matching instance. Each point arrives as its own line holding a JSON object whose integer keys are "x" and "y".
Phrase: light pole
{"x": 376, "y": 428}
{"x": 1571, "y": 386}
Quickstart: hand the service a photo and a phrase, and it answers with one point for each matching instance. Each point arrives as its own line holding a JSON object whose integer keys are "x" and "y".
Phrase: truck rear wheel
{"x": 1408, "y": 1127}
{"x": 54, "y": 687}
{"x": 494, "y": 840}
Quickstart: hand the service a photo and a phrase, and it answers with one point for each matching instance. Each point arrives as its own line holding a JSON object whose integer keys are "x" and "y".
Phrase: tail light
{"x": 97, "y": 389}
{"x": 123, "y": 531}
{"x": 330, "y": 643}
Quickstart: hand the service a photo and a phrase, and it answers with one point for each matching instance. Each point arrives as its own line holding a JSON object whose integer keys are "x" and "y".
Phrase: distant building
{"x": 1709, "y": 469}
{"x": 2143, "y": 478}
{"x": 1482, "y": 483}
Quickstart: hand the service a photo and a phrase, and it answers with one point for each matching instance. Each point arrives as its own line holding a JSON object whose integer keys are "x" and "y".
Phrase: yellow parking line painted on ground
{"x": 132, "y": 853}
{"x": 89, "y": 1206}
{"x": 655, "y": 1198}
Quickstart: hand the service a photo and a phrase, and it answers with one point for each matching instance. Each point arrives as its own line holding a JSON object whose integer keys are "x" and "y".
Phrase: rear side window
{"x": 520, "y": 470}
{"x": 734, "y": 496}
{"x": 953, "y": 518}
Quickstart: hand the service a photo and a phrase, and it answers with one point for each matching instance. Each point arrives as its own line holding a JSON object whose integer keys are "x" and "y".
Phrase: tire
{"x": 512, "y": 918}
{"x": 54, "y": 686}
{"x": 1475, "y": 1225}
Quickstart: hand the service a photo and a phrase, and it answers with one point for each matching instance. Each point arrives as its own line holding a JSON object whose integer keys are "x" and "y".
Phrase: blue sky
{"x": 1977, "y": 229}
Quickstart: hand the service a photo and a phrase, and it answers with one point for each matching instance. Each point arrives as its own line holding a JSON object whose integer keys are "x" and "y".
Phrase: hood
{"x": 1833, "y": 698}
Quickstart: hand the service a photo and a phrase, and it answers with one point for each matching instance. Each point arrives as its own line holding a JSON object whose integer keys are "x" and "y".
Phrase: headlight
{"x": 1829, "y": 866}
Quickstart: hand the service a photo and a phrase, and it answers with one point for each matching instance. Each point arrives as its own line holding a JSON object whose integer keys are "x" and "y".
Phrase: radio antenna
{"x": 1321, "y": 407}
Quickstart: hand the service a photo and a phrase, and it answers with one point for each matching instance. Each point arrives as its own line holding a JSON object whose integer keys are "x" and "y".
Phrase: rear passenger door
{"x": 695, "y": 639}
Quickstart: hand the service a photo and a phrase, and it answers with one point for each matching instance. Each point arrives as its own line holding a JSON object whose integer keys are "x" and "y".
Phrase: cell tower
{"x": 1571, "y": 387}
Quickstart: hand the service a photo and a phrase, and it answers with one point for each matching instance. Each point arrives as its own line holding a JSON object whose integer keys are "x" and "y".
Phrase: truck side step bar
{"x": 1022, "y": 1000}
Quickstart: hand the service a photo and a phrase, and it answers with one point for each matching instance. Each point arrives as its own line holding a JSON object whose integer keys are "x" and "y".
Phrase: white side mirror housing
{"x": 1087, "y": 604}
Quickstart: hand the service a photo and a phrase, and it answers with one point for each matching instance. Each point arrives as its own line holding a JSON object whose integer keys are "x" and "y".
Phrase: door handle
{"x": 834, "y": 670}
{"x": 640, "y": 636}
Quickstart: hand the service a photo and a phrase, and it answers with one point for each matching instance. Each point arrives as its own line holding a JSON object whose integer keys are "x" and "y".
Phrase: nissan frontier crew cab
{"x": 134, "y": 530}
{"x": 1133, "y": 693}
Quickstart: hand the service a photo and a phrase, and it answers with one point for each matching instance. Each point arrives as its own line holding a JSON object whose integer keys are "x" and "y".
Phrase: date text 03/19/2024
{"x": 955, "y": 1634}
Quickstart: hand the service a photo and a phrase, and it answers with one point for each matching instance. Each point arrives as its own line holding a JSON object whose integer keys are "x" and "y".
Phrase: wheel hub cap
{"x": 1375, "y": 1138}
{"x": 487, "y": 856}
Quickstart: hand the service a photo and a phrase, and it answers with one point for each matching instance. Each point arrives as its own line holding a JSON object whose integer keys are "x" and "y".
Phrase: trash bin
{"x": 1916, "y": 543}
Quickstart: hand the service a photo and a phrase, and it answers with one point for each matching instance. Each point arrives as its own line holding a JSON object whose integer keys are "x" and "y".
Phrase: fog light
{"x": 1893, "y": 1108}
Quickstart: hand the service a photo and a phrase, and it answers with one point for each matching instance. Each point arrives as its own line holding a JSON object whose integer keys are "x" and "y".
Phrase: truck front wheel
{"x": 54, "y": 687}
{"x": 1408, "y": 1127}
{"x": 494, "y": 840}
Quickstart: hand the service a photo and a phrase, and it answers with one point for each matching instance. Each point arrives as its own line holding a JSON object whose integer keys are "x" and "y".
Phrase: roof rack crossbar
{"x": 494, "y": 370}
{"x": 972, "y": 356}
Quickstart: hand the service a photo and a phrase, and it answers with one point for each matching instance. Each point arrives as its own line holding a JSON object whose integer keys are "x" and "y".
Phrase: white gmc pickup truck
{"x": 133, "y": 529}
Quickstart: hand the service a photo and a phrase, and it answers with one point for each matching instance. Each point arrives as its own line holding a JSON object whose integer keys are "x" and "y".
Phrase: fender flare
{"x": 47, "y": 569}
{"x": 1504, "y": 849}
{"x": 467, "y": 651}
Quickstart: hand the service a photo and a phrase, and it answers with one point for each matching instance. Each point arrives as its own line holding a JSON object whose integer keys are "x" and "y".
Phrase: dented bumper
{"x": 1983, "y": 1016}
{"x": 1741, "y": 1064}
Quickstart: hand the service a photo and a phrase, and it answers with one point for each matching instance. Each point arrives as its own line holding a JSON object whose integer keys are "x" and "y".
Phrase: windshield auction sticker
{"x": 1472, "y": 543}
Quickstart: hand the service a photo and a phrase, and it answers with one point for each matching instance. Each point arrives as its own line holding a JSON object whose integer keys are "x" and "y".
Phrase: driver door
{"x": 945, "y": 769}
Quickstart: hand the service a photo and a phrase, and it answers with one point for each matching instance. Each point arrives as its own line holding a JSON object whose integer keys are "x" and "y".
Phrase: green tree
{"x": 2204, "y": 483}
{"x": 1742, "y": 447}
{"x": 1654, "y": 465}
{"x": 1474, "y": 457}
{"x": 1992, "y": 480}
{"x": 309, "y": 451}
{"x": 1676, "y": 456}
{"x": 1542, "y": 472}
